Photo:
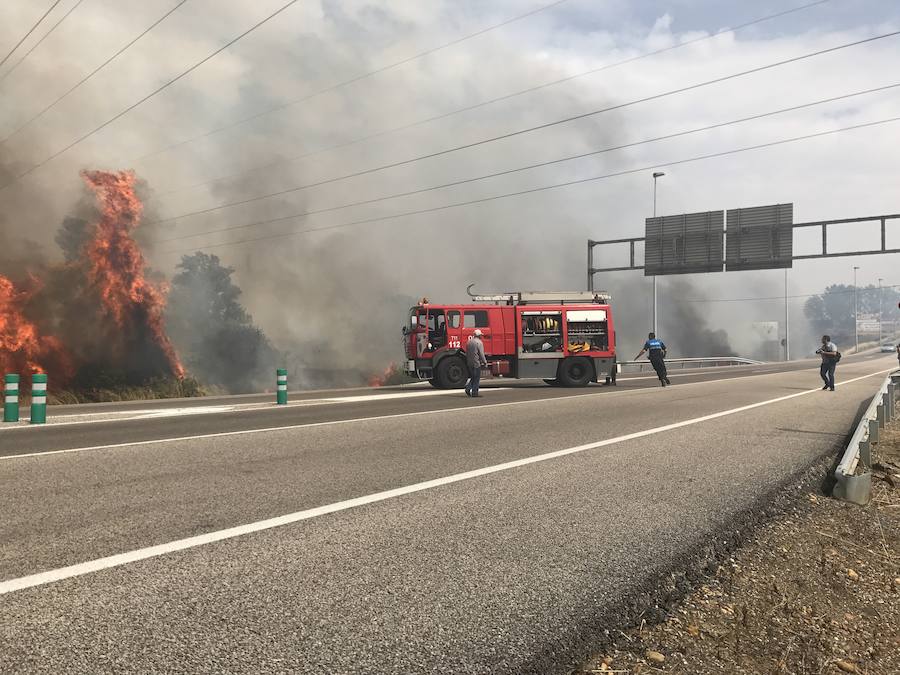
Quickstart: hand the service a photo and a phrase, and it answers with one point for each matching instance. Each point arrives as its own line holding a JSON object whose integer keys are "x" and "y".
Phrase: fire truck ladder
{"x": 543, "y": 297}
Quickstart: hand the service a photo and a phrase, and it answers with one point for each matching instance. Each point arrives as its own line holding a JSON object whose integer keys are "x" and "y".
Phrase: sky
{"x": 311, "y": 63}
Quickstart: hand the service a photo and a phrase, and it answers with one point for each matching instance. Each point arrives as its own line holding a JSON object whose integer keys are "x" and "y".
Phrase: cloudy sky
{"x": 309, "y": 62}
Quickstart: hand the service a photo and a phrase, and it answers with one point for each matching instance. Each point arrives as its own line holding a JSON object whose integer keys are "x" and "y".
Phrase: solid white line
{"x": 373, "y": 418}
{"x": 91, "y": 566}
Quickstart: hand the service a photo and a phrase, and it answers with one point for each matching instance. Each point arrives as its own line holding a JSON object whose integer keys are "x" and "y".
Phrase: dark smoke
{"x": 684, "y": 325}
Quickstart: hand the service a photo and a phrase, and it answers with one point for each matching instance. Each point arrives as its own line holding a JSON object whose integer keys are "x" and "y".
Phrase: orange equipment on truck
{"x": 565, "y": 339}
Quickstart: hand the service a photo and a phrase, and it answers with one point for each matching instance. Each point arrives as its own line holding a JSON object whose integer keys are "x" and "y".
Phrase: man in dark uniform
{"x": 657, "y": 350}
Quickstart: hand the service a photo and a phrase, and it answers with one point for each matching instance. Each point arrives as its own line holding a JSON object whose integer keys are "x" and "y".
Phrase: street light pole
{"x": 787, "y": 320}
{"x": 880, "y": 311}
{"x": 856, "y": 309}
{"x": 656, "y": 175}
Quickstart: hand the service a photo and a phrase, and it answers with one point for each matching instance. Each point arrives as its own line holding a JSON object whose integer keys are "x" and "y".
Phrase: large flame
{"x": 116, "y": 265}
{"x": 23, "y": 349}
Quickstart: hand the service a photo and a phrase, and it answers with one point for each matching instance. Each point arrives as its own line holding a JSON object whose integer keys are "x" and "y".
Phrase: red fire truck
{"x": 566, "y": 339}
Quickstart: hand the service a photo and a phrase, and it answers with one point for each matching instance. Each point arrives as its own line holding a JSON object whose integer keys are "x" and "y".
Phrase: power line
{"x": 91, "y": 74}
{"x": 793, "y": 297}
{"x": 153, "y": 93}
{"x": 545, "y": 188}
{"x": 491, "y": 101}
{"x": 38, "y": 43}
{"x": 31, "y": 30}
{"x": 527, "y": 167}
{"x": 352, "y": 80}
{"x": 538, "y": 127}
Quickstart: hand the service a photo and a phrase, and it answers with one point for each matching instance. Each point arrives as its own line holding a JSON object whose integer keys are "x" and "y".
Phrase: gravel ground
{"x": 815, "y": 590}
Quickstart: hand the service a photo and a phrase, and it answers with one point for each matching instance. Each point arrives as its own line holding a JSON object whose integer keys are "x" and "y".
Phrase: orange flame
{"x": 379, "y": 380}
{"x": 23, "y": 349}
{"x": 116, "y": 264}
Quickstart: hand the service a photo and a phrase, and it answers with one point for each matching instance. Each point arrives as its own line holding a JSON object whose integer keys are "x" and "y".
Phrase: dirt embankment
{"x": 817, "y": 590}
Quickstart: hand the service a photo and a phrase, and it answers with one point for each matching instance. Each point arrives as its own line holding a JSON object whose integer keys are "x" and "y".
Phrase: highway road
{"x": 387, "y": 531}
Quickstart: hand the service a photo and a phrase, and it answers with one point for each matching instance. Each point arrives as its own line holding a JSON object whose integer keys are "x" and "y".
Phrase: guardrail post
{"x": 865, "y": 454}
{"x": 892, "y": 398}
{"x": 884, "y": 410}
{"x": 11, "y": 397}
{"x": 281, "y": 382}
{"x": 38, "y": 398}
{"x": 873, "y": 431}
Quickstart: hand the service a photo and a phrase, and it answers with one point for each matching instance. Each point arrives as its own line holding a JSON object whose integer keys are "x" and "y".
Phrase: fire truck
{"x": 565, "y": 339}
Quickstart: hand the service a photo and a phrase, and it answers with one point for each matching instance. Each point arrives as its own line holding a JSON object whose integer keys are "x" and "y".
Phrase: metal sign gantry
{"x": 778, "y": 255}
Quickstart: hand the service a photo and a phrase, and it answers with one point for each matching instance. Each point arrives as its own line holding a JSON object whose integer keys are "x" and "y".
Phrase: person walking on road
{"x": 476, "y": 361}
{"x": 830, "y": 357}
{"x": 657, "y": 354}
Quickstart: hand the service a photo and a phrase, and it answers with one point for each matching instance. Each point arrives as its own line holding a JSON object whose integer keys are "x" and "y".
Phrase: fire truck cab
{"x": 566, "y": 339}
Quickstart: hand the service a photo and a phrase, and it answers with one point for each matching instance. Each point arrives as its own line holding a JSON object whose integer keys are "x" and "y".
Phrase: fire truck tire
{"x": 451, "y": 373}
{"x": 576, "y": 372}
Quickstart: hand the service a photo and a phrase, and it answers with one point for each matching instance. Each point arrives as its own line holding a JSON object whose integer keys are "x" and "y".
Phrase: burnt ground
{"x": 814, "y": 590}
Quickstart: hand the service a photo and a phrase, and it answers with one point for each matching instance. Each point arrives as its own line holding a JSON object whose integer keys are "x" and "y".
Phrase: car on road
{"x": 888, "y": 347}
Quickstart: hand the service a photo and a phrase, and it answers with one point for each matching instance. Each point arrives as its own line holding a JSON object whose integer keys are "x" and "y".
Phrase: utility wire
{"x": 38, "y": 43}
{"x": 545, "y": 188}
{"x": 153, "y": 93}
{"x": 33, "y": 28}
{"x": 92, "y": 73}
{"x": 356, "y": 78}
{"x": 538, "y": 127}
{"x": 526, "y": 168}
{"x": 793, "y": 297}
{"x": 487, "y": 102}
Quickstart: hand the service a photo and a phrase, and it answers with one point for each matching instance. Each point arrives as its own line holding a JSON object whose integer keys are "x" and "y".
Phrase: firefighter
{"x": 657, "y": 351}
{"x": 476, "y": 361}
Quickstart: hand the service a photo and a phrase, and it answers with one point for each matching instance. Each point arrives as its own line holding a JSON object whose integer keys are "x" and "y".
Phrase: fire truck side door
{"x": 478, "y": 318}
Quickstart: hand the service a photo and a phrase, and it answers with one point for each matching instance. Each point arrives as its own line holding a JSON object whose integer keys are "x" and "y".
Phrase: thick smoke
{"x": 331, "y": 303}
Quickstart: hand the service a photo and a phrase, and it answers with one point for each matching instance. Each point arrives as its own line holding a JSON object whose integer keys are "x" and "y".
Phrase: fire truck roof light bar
{"x": 543, "y": 297}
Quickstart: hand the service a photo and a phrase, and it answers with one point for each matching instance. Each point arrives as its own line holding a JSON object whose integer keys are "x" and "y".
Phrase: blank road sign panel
{"x": 760, "y": 238}
{"x": 684, "y": 244}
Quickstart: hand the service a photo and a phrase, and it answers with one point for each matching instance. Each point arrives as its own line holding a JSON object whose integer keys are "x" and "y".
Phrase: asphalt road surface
{"x": 385, "y": 531}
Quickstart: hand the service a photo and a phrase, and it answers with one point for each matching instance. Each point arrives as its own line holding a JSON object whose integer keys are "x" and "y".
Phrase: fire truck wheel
{"x": 575, "y": 372}
{"x": 451, "y": 373}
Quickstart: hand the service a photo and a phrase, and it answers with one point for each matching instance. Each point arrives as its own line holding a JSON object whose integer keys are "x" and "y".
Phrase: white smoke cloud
{"x": 301, "y": 288}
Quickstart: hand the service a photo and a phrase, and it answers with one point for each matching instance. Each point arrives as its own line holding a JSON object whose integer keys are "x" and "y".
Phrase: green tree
{"x": 214, "y": 333}
{"x": 832, "y": 311}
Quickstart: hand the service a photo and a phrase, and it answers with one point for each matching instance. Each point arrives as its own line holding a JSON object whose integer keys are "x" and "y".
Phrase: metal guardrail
{"x": 683, "y": 364}
{"x": 851, "y": 485}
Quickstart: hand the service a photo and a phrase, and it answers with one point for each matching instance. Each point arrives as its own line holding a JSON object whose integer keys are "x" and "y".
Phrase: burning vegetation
{"x": 22, "y": 347}
{"x": 94, "y": 322}
{"x": 116, "y": 270}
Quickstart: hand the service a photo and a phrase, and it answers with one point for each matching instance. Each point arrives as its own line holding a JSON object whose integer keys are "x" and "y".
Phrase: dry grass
{"x": 155, "y": 389}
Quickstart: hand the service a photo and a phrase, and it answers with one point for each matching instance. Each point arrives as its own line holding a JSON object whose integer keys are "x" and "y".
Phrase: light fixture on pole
{"x": 856, "y": 309}
{"x": 656, "y": 176}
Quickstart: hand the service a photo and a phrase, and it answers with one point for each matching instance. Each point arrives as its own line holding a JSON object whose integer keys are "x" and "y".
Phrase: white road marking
{"x": 373, "y": 418}
{"x": 91, "y": 566}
